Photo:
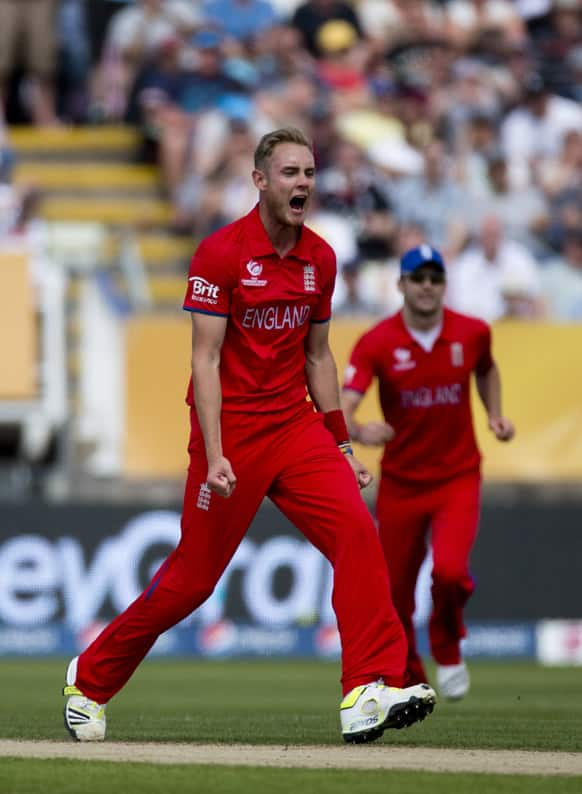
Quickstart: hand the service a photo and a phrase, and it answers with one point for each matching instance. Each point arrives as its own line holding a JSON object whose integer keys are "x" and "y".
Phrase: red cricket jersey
{"x": 269, "y": 302}
{"x": 425, "y": 396}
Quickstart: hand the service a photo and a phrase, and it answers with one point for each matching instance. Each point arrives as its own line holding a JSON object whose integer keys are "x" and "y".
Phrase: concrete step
{"x": 159, "y": 251}
{"x": 74, "y": 140}
{"x": 88, "y": 177}
{"x": 109, "y": 211}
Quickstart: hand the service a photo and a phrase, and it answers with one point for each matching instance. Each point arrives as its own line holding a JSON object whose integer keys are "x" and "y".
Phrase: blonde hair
{"x": 268, "y": 142}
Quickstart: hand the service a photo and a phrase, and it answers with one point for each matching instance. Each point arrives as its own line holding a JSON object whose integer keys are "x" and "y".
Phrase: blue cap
{"x": 419, "y": 256}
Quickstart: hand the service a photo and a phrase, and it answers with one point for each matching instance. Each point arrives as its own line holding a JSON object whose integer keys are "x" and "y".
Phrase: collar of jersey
{"x": 445, "y": 334}
{"x": 261, "y": 245}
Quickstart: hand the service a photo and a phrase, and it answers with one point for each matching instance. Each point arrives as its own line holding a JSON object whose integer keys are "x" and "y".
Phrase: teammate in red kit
{"x": 260, "y": 292}
{"x": 423, "y": 358}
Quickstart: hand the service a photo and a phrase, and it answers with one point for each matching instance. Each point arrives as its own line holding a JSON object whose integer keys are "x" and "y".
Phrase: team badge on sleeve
{"x": 349, "y": 373}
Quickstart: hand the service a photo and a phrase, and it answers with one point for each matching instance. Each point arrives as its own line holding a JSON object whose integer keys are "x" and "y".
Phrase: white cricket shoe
{"x": 453, "y": 680}
{"x": 367, "y": 711}
{"x": 84, "y": 718}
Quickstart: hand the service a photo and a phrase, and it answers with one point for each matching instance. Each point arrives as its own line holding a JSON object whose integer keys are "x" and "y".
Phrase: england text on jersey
{"x": 275, "y": 318}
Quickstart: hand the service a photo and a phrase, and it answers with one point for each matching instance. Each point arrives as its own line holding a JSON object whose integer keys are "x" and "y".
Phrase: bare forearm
{"x": 349, "y": 402}
{"x": 321, "y": 376}
{"x": 208, "y": 400}
{"x": 489, "y": 388}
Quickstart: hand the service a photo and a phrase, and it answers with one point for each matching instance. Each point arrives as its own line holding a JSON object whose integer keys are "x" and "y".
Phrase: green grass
{"x": 75, "y": 777}
{"x": 511, "y": 706}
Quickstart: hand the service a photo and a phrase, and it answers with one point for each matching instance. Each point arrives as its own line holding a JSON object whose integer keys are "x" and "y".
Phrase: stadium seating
{"x": 90, "y": 175}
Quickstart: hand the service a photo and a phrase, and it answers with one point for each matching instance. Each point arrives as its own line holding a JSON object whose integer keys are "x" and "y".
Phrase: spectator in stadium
{"x": 474, "y": 150}
{"x": 351, "y": 189}
{"x": 74, "y": 60}
{"x": 134, "y": 36}
{"x": 495, "y": 277}
{"x": 243, "y": 20}
{"x": 562, "y": 281}
{"x": 564, "y": 171}
{"x": 574, "y": 61}
{"x": 332, "y": 226}
{"x": 473, "y": 23}
{"x": 469, "y": 94}
{"x": 322, "y": 121}
{"x": 313, "y": 14}
{"x": 259, "y": 293}
{"x": 556, "y": 44}
{"x": 28, "y": 38}
{"x": 434, "y": 201}
{"x": 290, "y": 104}
{"x": 176, "y": 101}
{"x": 204, "y": 204}
{"x": 536, "y": 128}
{"x": 280, "y": 55}
{"x": 423, "y": 358}
{"x": 524, "y": 211}
{"x": 375, "y": 123}
{"x": 519, "y": 63}
{"x": 341, "y": 66}
{"x": 414, "y": 109}
{"x": 565, "y": 214}
{"x": 402, "y": 23}
{"x": 352, "y": 302}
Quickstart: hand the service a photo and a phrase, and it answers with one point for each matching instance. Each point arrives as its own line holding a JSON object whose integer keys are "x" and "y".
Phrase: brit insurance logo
{"x": 203, "y": 291}
{"x": 255, "y": 269}
{"x": 403, "y": 359}
{"x": 309, "y": 278}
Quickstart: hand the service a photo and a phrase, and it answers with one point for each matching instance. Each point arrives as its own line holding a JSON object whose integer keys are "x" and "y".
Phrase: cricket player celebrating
{"x": 423, "y": 358}
{"x": 259, "y": 292}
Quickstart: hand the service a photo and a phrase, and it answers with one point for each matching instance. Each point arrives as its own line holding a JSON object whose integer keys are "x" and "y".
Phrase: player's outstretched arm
{"x": 207, "y": 337}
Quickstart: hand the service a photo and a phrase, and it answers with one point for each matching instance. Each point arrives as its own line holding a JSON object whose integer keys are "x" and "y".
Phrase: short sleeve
{"x": 328, "y": 268}
{"x": 484, "y": 354}
{"x": 361, "y": 368}
{"x": 210, "y": 282}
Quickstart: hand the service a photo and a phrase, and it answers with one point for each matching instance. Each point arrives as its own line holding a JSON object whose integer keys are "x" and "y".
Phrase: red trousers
{"x": 297, "y": 464}
{"x": 449, "y": 511}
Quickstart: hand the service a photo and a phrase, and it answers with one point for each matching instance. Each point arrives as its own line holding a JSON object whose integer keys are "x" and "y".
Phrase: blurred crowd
{"x": 453, "y": 122}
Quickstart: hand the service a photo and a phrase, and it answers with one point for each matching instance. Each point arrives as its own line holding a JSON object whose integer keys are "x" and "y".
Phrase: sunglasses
{"x": 420, "y": 278}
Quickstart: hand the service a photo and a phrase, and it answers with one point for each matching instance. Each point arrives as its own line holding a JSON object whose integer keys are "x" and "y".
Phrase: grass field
{"x": 511, "y": 706}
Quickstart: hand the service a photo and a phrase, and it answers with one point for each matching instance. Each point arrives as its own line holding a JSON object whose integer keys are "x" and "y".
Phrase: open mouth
{"x": 298, "y": 203}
